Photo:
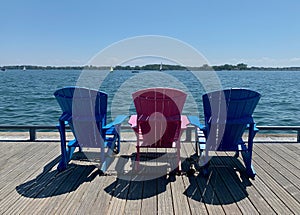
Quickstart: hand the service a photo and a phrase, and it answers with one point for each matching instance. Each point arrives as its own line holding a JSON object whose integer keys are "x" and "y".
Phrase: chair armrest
{"x": 65, "y": 117}
{"x": 255, "y": 128}
{"x": 194, "y": 120}
{"x": 133, "y": 121}
{"x": 118, "y": 120}
{"x": 184, "y": 121}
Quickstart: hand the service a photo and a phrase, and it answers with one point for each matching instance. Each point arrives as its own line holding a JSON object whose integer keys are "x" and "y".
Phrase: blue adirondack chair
{"x": 227, "y": 115}
{"x": 84, "y": 110}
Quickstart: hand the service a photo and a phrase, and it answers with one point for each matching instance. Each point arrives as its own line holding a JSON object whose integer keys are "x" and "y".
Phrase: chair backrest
{"x": 85, "y": 110}
{"x": 227, "y": 114}
{"x": 159, "y": 115}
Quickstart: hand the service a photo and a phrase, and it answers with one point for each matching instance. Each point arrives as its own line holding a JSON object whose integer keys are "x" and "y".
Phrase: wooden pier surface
{"x": 30, "y": 183}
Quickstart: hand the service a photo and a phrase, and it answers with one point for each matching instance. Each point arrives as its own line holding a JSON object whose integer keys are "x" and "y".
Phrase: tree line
{"x": 155, "y": 67}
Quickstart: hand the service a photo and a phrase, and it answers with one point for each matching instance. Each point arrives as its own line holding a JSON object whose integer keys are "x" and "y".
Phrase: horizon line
{"x": 107, "y": 66}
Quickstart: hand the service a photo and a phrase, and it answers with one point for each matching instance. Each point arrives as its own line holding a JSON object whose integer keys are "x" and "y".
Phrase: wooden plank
{"x": 193, "y": 193}
{"x": 33, "y": 184}
{"x": 256, "y": 199}
{"x": 134, "y": 198}
{"x": 104, "y": 187}
{"x": 89, "y": 194}
{"x": 74, "y": 186}
{"x": 271, "y": 179}
{"x": 164, "y": 197}
{"x": 10, "y": 149}
{"x": 65, "y": 182}
{"x": 149, "y": 197}
{"x": 284, "y": 152}
{"x": 268, "y": 192}
{"x": 294, "y": 148}
{"x": 191, "y": 188}
{"x": 36, "y": 185}
{"x": 208, "y": 194}
{"x": 119, "y": 196}
{"x": 180, "y": 202}
{"x": 280, "y": 171}
{"x": 221, "y": 190}
{"x": 272, "y": 192}
{"x": 68, "y": 189}
{"x": 10, "y": 164}
{"x": 122, "y": 163}
{"x": 234, "y": 187}
{"x": 14, "y": 185}
{"x": 275, "y": 189}
{"x": 269, "y": 195}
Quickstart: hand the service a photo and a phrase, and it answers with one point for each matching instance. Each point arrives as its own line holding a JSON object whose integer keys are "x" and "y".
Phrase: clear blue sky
{"x": 71, "y": 32}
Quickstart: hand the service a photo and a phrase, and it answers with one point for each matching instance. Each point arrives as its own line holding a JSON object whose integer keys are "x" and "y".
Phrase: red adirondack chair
{"x": 158, "y": 123}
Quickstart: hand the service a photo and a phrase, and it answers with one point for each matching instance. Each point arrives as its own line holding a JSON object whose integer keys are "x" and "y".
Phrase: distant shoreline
{"x": 225, "y": 67}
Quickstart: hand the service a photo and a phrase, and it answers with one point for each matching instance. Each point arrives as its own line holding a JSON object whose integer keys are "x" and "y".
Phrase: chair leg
{"x": 71, "y": 148}
{"x": 108, "y": 158}
{"x": 137, "y": 163}
{"x": 247, "y": 161}
{"x": 206, "y": 170}
{"x": 63, "y": 162}
{"x": 117, "y": 146}
{"x": 237, "y": 153}
{"x": 118, "y": 139}
{"x": 178, "y": 169}
{"x": 204, "y": 161}
{"x": 247, "y": 155}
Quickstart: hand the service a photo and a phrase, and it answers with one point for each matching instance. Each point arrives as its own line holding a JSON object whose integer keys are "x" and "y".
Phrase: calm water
{"x": 27, "y": 96}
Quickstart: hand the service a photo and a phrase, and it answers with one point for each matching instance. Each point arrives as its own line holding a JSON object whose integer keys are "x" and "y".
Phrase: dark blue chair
{"x": 227, "y": 115}
{"x": 85, "y": 110}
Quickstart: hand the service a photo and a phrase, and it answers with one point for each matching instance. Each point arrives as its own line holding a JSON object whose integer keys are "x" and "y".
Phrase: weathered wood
{"x": 29, "y": 184}
{"x": 134, "y": 198}
{"x": 164, "y": 197}
{"x": 149, "y": 197}
{"x": 208, "y": 195}
{"x": 231, "y": 189}
{"x": 193, "y": 193}
{"x": 244, "y": 183}
{"x": 281, "y": 171}
{"x": 21, "y": 184}
{"x": 280, "y": 184}
{"x": 180, "y": 201}
{"x": 104, "y": 190}
{"x": 119, "y": 196}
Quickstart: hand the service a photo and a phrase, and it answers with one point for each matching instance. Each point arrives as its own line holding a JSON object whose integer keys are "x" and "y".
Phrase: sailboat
{"x": 24, "y": 68}
{"x": 111, "y": 69}
{"x": 160, "y": 67}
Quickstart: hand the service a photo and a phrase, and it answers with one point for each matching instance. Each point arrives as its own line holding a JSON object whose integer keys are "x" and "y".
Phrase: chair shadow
{"x": 147, "y": 182}
{"x": 52, "y": 183}
{"x": 226, "y": 183}
{"x": 135, "y": 190}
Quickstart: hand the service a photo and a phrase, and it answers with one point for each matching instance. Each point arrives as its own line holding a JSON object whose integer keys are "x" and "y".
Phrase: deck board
{"x": 30, "y": 184}
{"x": 235, "y": 192}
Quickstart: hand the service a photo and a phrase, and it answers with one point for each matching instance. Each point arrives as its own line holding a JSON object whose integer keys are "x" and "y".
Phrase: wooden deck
{"x": 30, "y": 184}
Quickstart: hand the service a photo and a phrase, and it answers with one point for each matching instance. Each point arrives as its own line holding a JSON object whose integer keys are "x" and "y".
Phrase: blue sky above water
{"x": 65, "y": 32}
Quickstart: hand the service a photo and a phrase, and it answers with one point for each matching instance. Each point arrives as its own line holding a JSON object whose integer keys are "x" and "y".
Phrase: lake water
{"x": 27, "y": 96}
